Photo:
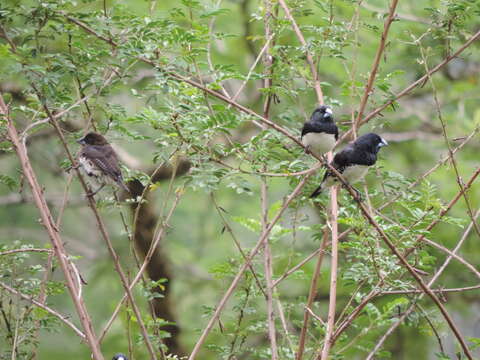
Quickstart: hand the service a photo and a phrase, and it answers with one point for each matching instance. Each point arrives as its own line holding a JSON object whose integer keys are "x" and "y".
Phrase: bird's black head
{"x": 322, "y": 114}
{"x": 93, "y": 139}
{"x": 119, "y": 357}
{"x": 370, "y": 142}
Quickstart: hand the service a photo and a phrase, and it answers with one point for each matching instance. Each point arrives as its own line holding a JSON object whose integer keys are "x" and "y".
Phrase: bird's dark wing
{"x": 352, "y": 155}
{"x": 349, "y": 156}
{"x": 320, "y": 127}
{"x": 104, "y": 158}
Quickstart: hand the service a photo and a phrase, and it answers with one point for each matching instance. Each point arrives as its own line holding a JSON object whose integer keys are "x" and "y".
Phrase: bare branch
{"x": 49, "y": 225}
{"x": 376, "y": 62}
{"x": 244, "y": 267}
{"x": 313, "y": 69}
{"x": 59, "y": 316}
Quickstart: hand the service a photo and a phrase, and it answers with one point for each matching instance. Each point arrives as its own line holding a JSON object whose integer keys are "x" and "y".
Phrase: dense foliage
{"x": 185, "y": 90}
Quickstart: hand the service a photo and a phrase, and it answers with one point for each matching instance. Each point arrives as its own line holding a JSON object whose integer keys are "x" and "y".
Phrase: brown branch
{"x": 103, "y": 231}
{"x": 403, "y": 260}
{"x": 244, "y": 267}
{"x": 441, "y": 291}
{"x": 412, "y": 86}
{"x": 15, "y": 251}
{"x": 376, "y": 62}
{"x": 431, "y": 282}
{"x": 376, "y": 288}
{"x": 267, "y": 252}
{"x": 52, "y": 231}
{"x": 311, "y": 296}
{"x": 419, "y": 280}
{"x": 313, "y": 69}
{"x": 421, "y": 80}
{"x": 59, "y": 316}
{"x": 333, "y": 273}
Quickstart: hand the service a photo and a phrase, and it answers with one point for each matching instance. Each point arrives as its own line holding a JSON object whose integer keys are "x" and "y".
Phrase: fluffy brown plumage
{"x": 99, "y": 161}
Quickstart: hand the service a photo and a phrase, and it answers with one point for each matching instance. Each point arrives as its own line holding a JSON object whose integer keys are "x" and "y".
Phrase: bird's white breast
{"x": 355, "y": 173}
{"x": 89, "y": 167}
{"x": 319, "y": 143}
{"x": 95, "y": 176}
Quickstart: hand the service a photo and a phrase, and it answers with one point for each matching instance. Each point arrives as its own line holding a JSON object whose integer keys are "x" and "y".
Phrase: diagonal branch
{"x": 313, "y": 69}
{"x": 421, "y": 80}
{"x": 52, "y": 231}
{"x": 376, "y": 62}
{"x": 311, "y": 296}
{"x": 244, "y": 267}
{"x": 392, "y": 328}
{"x": 59, "y": 316}
{"x": 412, "y": 86}
{"x": 403, "y": 261}
{"x": 102, "y": 228}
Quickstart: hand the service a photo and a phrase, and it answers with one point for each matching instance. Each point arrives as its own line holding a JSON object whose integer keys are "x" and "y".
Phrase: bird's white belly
{"x": 89, "y": 168}
{"x": 95, "y": 176}
{"x": 351, "y": 174}
{"x": 319, "y": 143}
{"x": 355, "y": 173}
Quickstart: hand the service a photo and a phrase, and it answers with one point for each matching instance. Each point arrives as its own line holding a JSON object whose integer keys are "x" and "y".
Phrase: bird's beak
{"x": 383, "y": 143}
{"x": 328, "y": 114}
{"x": 81, "y": 141}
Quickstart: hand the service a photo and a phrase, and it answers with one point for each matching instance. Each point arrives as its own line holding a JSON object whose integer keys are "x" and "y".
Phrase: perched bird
{"x": 99, "y": 161}
{"x": 320, "y": 133}
{"x": 119, "y": 357}
{"x": 353, "y": 161}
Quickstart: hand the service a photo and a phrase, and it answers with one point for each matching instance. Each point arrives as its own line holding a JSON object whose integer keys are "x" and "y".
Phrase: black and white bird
{"x": 99, "y": 162}
{"x": 353, "y": 161}
{"x": 119, "y": 357}
{"x": 320, "y": 133}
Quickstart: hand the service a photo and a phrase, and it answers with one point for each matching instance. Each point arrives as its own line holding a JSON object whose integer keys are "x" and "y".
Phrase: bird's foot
{"x": 307, "y": 150}
{"x": 358, "y": 195}
{"x": 93, "y": 193}
{"x": 72, "y": 167}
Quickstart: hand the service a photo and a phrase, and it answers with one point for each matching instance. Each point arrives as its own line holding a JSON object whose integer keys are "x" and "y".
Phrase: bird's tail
{"x": 317, "y": 191}
{"x": 123, "y": 186}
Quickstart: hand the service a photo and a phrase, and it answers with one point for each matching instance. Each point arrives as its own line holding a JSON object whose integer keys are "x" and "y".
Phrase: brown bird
{"x": 99, "y": 161}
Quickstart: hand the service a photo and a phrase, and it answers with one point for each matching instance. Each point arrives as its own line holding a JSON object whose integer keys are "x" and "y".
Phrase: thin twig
{"x": 59, "y": 316}
{"x": 146, "y": 261}
{"x": 412, "y": 86}
{"x": 244, "y": 267}
{"x": 392, "y": 328}
{"x": 333, "y": 275}
{"x": 103, "y": 231}
{"x": 49, "y": 225}
{"x": 16, "y": 251}
{"x": 311, "y": 295}
{"x": 313, "y": 69}
{"x": 268, "y": 65}
{"x": 376, "y": 62}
